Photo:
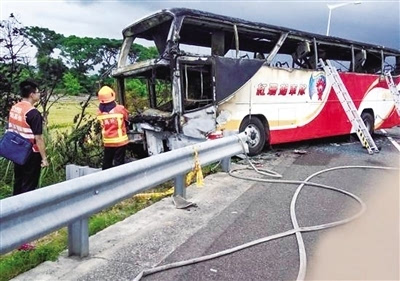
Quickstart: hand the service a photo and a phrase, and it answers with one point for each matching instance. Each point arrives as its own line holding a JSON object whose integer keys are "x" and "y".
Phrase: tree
{"x": 50, "y": 70}
{"x": 82, "y": 55}
{"x": 50, "y": 76}
{"x": 141, "y": 53}
{"x": 44, "y": 39}
{"x": 108, "y": 52}
{"x": 14, "y": 59}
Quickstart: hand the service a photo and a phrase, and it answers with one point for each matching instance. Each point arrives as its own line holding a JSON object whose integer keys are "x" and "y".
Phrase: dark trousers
{"x": 113, "y": 156}
{"x": 26, "y": 177}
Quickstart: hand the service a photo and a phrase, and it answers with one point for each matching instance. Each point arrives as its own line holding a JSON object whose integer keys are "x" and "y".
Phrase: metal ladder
{"x": 393, "y": 90}
{"x": 349, "y": 107}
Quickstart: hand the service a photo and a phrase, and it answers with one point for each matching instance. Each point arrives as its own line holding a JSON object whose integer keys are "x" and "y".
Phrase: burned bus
{"x": 217, "y": 76}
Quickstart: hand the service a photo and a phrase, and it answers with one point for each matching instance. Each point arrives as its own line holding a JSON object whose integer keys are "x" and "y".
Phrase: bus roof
{"x": 146, "y": 27}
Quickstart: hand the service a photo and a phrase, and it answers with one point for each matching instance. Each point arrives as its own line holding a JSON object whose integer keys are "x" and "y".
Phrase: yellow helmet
{"x": 106, "y": 95}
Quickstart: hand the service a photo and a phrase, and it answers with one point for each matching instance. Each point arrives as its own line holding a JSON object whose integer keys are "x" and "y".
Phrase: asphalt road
{"x": 235, "y": 212}
{"x": 263, "y": 210}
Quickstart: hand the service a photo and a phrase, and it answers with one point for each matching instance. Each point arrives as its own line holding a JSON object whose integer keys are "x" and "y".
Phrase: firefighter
{"x": 114, "y": 119}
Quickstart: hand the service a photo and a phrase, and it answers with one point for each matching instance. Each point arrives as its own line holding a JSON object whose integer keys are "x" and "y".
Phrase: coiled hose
{"x": 297, "y": 230}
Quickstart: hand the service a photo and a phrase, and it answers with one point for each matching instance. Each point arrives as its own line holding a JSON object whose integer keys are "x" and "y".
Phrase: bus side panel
{"x": 367, "y": 91}
{"x": 301, "y": 105}
{"x": 374, "y": 95}
{"x": 283, "y": 96}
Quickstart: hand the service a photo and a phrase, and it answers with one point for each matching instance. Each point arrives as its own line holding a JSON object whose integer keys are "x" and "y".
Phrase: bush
{"x": 71, "y": 84}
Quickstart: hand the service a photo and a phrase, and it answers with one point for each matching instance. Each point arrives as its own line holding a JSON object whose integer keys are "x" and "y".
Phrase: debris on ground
{"x": 241, "y": 156}
{"x": 182, "y": 203}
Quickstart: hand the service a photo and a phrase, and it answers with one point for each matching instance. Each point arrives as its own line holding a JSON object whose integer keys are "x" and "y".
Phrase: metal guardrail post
{"x": 78, "y": 238}
{"x": 74, "y": 171}
{"x": 180, "y": 186}
{"x": 226, "y": 164}
{"x": 78, "y": 231}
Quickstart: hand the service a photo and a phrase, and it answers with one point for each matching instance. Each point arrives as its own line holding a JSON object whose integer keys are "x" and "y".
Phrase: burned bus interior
{"x": 196, "y": 85}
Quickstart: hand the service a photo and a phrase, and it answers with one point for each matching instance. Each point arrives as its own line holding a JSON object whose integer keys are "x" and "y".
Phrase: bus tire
{"x": 255, "y": 129}
{"x": 368, "y": 120}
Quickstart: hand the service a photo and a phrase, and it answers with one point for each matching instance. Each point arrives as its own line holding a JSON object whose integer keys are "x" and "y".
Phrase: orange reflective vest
{"x": 17, "y": 122}
{"x": 113, "y": 126}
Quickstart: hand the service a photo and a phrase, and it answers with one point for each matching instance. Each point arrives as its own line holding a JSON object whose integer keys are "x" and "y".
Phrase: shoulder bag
{"x": 16, "y": 148}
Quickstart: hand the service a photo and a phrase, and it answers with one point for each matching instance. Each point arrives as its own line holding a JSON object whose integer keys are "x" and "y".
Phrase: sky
{"x": 376, "y": 22}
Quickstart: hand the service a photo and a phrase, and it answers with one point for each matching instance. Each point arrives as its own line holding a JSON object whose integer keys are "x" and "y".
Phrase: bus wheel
{"x": 368, "y": 120}
{"x": 255, "y": 130}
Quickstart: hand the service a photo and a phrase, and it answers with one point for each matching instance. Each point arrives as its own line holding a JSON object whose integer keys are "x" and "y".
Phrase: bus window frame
{"x": 193, "y": 61}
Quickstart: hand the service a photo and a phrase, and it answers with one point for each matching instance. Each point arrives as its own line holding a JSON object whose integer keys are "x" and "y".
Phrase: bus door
{"x": 197, "y": 98}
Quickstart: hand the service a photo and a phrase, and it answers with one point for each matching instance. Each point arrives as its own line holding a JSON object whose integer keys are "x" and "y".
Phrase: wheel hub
{"x": 254, "y": 135}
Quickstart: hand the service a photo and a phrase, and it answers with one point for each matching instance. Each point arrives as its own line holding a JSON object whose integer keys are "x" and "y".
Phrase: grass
{"x": 50, "y": 246}
{"x": 63, "y": 112}
{"x": 6, "y": 180}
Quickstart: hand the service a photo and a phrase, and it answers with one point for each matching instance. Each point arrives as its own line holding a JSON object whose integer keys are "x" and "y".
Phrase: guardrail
{"x": 31, "y": 215}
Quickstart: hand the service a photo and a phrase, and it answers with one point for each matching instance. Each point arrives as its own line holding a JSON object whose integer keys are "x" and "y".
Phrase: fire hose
{"x": 297, "y": 230}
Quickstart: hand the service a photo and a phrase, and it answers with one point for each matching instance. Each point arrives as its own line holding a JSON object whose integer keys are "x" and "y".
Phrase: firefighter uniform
{"x": 113, "y": 119}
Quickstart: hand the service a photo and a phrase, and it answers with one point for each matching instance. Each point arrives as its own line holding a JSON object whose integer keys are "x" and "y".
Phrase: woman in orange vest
{"x": 114, "y": 119}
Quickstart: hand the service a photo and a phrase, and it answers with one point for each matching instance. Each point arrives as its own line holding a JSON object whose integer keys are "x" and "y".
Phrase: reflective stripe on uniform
{"x": 20, "y": 129}
{"x": 110, "y": 115}
{"x": 17, "y": 122}
{"x": 115, "y": 140}
{"x": 114, "y": 134}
